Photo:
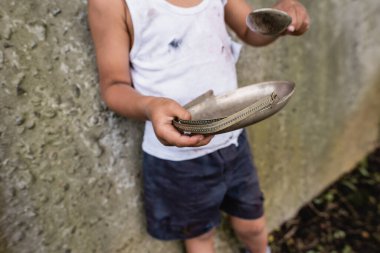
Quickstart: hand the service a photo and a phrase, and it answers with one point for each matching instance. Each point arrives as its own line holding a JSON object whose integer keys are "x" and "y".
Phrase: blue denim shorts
{"x": 183, "y": 199}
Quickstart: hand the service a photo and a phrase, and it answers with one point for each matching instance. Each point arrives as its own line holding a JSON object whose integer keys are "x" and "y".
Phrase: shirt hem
{"x": 192, "y": 154}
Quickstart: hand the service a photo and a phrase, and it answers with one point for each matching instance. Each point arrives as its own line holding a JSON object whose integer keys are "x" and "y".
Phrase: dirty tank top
{"x": 180, "y": 53}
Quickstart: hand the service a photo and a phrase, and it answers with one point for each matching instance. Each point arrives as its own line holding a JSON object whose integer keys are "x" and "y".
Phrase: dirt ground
{"x": 345, "y": 218}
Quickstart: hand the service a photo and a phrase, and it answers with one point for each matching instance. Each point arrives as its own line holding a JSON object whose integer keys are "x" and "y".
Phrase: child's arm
{"x": 107, "y": 20}
{"x": 236, "y": 12}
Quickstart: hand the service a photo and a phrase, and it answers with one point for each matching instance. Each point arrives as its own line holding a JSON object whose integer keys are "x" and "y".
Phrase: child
{"x": 154, "y": 56}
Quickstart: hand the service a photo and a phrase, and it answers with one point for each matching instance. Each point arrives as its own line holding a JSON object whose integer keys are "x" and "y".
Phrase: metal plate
{"x": 208, "y": 107}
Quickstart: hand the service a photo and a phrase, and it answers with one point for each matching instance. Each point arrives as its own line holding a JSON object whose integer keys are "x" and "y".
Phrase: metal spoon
{"x": 268, "y": 21}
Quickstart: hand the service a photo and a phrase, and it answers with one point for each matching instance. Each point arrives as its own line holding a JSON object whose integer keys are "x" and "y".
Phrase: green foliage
{"x": 342, "y": 219}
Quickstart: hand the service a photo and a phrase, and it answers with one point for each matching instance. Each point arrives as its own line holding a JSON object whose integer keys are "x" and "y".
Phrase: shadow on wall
{"x": 376, "y": 94}
{"x": 3, "y": 238}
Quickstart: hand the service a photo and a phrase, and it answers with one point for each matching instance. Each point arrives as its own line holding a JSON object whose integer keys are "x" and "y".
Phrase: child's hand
{"x": 300, "y": 18}
{"x": 161, "y": 111}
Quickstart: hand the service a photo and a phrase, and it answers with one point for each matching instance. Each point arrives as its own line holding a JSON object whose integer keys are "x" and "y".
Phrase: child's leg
{"x": 244, "y": 198}
{"x": 201, "y": 244}
{"x": 252, "y": 233}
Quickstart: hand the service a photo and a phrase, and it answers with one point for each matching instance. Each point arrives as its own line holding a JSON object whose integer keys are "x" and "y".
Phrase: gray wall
{"x": 70, "y": 169}
{"x": 332, "y": 120}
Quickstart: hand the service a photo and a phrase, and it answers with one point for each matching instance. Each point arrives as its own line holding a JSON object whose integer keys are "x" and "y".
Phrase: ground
{"x": 345, "y": 218}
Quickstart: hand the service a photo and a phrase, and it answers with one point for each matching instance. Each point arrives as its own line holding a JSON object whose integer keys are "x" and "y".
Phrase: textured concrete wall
{"x": 332, "y": 120}
{"x": 70, "y": 169}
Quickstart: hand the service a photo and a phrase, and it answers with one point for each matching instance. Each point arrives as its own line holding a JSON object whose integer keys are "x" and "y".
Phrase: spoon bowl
{"x": 268, "y": 21}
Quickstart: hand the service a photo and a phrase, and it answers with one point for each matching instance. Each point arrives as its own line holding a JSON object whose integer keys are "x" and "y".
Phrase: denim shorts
{"x": 184, "y": 199}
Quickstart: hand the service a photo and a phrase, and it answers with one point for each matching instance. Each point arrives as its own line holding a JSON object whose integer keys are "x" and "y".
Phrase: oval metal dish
{"x": 236, "y": 109}
{"x": 268, "y": 21}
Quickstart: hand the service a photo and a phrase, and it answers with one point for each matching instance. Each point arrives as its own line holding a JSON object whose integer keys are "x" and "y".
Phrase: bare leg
{"x": 201, "y": 244}
{"x": 252, "y": 233}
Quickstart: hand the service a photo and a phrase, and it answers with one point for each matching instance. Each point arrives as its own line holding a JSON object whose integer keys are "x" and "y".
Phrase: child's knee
{"x": 250, "y": 230}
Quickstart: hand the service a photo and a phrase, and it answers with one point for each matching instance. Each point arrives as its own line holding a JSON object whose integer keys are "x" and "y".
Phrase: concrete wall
{"x": 70, "y": 169}
{"x": 332, "y": 120}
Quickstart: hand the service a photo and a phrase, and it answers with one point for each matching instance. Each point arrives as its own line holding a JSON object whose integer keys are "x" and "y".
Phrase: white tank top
{"x": 180, "y": 53}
